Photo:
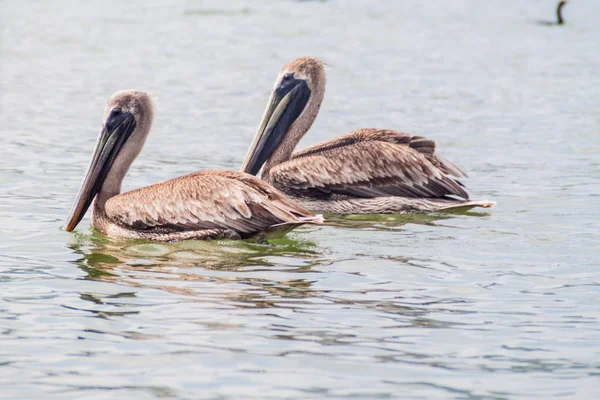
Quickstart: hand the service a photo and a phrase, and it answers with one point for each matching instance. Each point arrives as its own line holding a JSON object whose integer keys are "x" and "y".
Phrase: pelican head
{"x": 127, "y": 121}
{"x": 291, "y": 110}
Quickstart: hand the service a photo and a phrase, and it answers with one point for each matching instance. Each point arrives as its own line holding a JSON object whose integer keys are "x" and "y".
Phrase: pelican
{"x": 203, "y": 205}
{"x": 367, "y": 171}
{"x": 559, "y": 17}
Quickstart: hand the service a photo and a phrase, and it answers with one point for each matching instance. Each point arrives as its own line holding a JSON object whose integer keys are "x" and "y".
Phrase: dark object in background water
{"x": 559, "y": 18}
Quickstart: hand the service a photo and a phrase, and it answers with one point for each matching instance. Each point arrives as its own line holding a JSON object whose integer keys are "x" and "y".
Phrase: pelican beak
{"x": 114, "y": 134}
{"x": 285, "y": 106}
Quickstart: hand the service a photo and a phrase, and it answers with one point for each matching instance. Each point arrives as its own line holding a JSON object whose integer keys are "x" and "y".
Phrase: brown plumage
{"x": 202, "y": 205}
{"x": 364, "y": 171}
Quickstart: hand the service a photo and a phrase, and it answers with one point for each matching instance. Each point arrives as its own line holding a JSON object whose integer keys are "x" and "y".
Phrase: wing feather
{"x": 206, "y": 200}
{"x": 370, "y": 163}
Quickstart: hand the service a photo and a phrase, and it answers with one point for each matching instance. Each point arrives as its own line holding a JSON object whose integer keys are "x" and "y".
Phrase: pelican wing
{"x": 206, "y": 200}
{"x": 370, "y": 163}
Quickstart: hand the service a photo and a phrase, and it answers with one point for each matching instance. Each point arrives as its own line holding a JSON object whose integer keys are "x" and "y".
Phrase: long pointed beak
{"x": 114, "y": 134}
{"x": 285, "y": 106}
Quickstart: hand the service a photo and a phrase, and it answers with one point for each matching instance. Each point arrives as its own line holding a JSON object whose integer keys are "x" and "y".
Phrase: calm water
{"x": 501, "y": 304}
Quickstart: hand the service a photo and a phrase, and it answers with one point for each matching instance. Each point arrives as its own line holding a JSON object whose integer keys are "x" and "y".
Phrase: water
{"x": 499, "y": 304}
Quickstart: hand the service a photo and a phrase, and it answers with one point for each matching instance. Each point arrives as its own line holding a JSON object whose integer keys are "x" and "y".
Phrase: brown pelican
{"x": 202, "y": 205}
{"x": 367, "y": 171}
{"x": 559, "y": 17}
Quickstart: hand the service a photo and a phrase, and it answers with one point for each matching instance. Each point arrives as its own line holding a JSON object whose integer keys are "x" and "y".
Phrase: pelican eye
{"x": 114, "y": 120}
{"x": 115, "y": 112}
{"x": 287, "y": 77}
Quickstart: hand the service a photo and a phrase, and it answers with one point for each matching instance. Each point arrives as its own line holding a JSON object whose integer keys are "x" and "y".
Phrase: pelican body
{"x": 202, "y": 205}
{"x": 367, "y": 171}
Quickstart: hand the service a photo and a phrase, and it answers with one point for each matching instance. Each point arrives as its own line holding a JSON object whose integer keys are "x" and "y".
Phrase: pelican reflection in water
{"x": 367, "y": 171}
{"x": 202, "y": 205}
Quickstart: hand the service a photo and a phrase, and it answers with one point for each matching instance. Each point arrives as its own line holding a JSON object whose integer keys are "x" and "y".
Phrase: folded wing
{"x": 370, "y": 163}
{"x": 206, "y": 200}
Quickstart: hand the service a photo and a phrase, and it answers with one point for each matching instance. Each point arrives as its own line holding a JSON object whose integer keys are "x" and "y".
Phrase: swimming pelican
{"x": 367, "y": 171}
{"x": 559, "y": 17}
{"x": 202, "y": 205}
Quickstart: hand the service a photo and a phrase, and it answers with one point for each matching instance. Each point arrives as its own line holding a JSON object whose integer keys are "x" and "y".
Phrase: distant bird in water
{"x": 559, "y": 18}
{"x": 203, "y": 205}
{"x": 367, "y": 171}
